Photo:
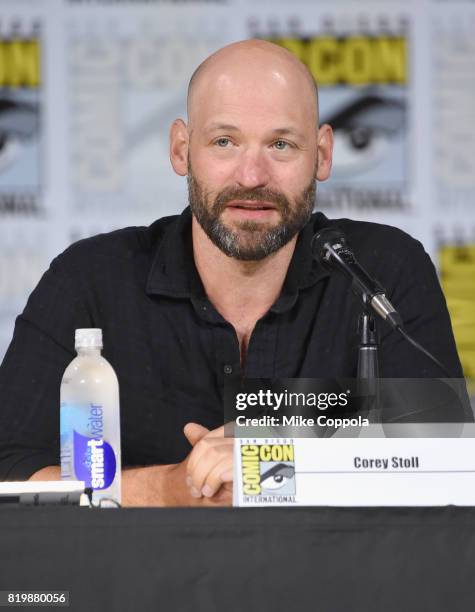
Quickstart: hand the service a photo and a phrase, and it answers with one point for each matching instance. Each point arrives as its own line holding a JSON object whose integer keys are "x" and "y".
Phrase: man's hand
{"x": 210, "y": 464}
{"x": 204, "y": 478}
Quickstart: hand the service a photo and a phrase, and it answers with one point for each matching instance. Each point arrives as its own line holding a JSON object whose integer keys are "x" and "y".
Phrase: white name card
{"x": 354, "y": 472}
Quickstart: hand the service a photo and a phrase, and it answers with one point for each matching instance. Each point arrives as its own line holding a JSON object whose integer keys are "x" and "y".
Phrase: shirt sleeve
{"x": 31, "y": 372}
{"x": 414, "y": 290}
{"x": 418, "y": 297}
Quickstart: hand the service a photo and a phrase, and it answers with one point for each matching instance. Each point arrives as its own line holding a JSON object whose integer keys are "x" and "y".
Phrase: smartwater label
{"x": 85, "y": 455}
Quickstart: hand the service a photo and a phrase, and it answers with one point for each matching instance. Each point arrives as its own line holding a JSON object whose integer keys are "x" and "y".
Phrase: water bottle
{"x": 90, "y": 420}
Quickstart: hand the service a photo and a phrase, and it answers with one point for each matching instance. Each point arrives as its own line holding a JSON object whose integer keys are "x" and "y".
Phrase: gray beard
{"x": 251, "y": 241}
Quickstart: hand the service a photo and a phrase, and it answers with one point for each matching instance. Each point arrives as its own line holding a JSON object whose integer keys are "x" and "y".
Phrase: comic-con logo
{"x": 268, "y": 471}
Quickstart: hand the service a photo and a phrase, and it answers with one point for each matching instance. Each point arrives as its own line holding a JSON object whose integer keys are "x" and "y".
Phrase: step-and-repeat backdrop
{"x": 88, "y": 89}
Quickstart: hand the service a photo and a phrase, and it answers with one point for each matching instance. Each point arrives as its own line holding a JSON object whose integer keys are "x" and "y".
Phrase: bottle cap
{"x": 88, "y": 338}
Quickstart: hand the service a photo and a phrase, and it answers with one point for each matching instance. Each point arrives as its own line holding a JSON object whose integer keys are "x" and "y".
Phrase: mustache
{"x": 253, "y": 195}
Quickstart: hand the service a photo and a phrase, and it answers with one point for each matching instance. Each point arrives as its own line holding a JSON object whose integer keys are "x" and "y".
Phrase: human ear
{"x": 179, "y": 142}
{"x": 325, "y": 152}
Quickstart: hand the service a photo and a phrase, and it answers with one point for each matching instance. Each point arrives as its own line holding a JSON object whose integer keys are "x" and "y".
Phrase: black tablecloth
{"x": 271, "y": 559}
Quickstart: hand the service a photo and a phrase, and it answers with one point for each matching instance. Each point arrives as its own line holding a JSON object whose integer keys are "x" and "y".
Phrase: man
{"x": 230, "y": 290}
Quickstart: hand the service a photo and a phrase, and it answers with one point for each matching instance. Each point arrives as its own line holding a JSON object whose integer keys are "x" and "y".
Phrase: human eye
{"x": 281, "y": 145}
{"x": 222, "y": 142}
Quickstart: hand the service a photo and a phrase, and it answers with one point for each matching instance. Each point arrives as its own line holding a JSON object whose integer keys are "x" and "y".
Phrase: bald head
{"x": 252, "y": 63}
{"x": 252, "y": 149}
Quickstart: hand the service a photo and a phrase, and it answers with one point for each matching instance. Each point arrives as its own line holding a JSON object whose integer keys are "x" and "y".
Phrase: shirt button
{"x": 228, "y": 369}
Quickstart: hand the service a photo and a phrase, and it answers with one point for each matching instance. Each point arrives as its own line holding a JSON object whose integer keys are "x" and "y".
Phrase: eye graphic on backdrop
{"x": 18, "y": 124}
{"x": 277, "y": 477}
{"x": 364, "y": 130}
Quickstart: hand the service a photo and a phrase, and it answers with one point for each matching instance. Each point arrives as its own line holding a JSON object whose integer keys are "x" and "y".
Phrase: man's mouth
{"x": 251, "y": 205}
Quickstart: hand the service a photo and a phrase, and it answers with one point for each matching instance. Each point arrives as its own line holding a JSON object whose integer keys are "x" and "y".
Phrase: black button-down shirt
{"x": 172, "y": 351}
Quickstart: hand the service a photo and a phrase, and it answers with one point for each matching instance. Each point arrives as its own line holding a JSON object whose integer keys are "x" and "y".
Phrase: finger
{"x": 227, "y": 476}
{"x": 219, "y": 455}
{"x": 218, "y": 458}
{"x": 204, "y": 451}
{"x": 194, "y": 432}
{"x": 214, "y": 480}
{"x": 225, "y": 431}
{"x": 217, "y": 433}
{"x": 224, "y": 497}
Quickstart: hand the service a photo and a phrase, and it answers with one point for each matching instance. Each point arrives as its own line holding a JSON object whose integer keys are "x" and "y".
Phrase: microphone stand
{"x": 368, "y": 364}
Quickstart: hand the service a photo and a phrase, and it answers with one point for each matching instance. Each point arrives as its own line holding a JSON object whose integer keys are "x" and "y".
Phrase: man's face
{"x": 252, "y": 161}
{"x": 250, "y": 234}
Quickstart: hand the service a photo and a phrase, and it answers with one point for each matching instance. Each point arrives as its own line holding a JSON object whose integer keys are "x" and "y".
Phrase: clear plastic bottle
{"x": 90, "y": 420}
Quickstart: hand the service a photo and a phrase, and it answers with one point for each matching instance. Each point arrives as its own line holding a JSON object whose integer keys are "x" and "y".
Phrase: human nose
{"x": 252, "y": 170}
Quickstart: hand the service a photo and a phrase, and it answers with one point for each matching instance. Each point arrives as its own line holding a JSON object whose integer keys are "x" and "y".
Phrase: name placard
{"x": 354, "y": 472}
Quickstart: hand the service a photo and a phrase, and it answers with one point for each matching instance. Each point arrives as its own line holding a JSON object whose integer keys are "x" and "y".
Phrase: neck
{"x": 241, "y": 291}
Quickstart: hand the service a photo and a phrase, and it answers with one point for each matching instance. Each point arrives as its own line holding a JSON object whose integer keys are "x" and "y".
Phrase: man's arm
{"x": 417, "y": 295}
{"x": 204, "y": 478}
{"x": 30, "y": 375}
{"x": 155, "y": 485}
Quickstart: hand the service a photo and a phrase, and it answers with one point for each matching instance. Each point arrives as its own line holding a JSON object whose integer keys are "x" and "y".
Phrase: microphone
{"x": 329, "y": 247}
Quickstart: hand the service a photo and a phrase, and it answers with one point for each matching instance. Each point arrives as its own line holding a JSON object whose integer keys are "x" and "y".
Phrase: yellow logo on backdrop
{"x": 19, "y": 63}
{"x": 457, "y": 270}
{"x": 351, "y": 60}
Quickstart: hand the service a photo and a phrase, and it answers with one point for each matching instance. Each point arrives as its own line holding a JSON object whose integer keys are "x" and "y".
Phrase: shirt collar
{"x": 173, "y": 272}
{"x": 304, "y": 271}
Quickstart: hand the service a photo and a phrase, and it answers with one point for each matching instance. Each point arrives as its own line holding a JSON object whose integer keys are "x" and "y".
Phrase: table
{"x": 270, "y": 559}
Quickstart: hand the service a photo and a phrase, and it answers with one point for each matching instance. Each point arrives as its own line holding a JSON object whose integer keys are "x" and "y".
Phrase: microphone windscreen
{"x": 331, "y": 236}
